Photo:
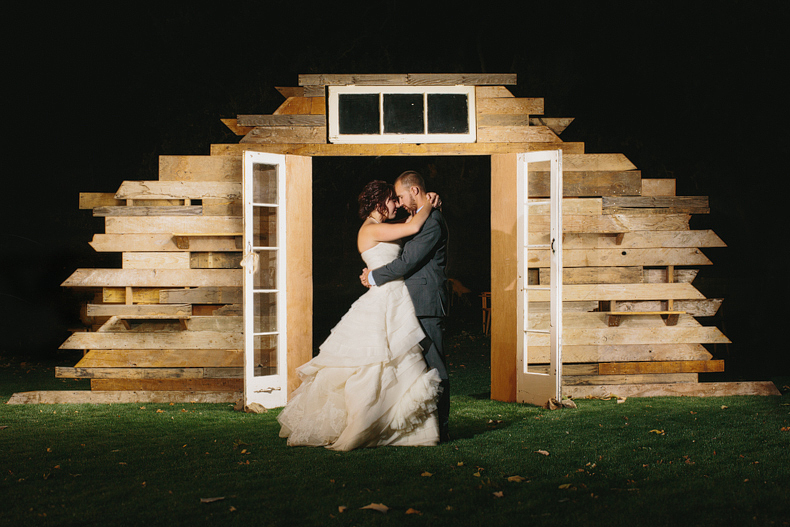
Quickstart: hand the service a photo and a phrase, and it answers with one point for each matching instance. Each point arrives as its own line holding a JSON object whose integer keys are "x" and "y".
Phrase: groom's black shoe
{"x": 444, "y": 434}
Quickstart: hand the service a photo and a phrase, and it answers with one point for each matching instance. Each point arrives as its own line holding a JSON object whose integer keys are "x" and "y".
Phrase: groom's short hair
{"x": 411, "y": 178}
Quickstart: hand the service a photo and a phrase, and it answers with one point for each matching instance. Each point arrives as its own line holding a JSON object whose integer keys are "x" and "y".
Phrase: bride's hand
{"x": 434, "y": 200}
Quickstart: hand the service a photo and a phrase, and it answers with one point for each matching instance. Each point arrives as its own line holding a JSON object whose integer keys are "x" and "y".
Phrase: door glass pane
{"x": 264, "y": 183}
{"x": 448, "y": 113}
{"x": 265, "y": 361}
{"x": 264, "y": 312}
{"x": 264, "y": 226}
{"x": 358, "y": 114}
{"x": 403, "y": 113}
{"x": 266, "y": 275}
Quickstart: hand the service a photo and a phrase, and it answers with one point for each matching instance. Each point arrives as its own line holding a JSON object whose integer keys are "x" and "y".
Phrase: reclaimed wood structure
{"x": 167, "y": 326}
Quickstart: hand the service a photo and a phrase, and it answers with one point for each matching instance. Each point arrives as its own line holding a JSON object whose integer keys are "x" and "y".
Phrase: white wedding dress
{"x": 369, "y": 384}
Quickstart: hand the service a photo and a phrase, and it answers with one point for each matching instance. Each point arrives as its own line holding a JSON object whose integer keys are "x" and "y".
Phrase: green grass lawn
{"x": 653, "y": 461}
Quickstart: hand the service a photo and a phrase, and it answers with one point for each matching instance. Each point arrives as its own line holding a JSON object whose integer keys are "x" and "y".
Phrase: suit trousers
{"x": 434, "y": 357}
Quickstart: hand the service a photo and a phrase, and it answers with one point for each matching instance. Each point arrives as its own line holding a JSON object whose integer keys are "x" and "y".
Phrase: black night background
{"x": 692, "y": 91}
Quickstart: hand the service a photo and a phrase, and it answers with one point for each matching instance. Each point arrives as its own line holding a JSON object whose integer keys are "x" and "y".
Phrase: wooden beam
{"x": 510, "y": 106}
{"x": 176, "y": 385}
{"x": 294, "y": 106}
{"x": 706, "y": 389}
{"x": 92, "y": 200}
{"x": 408, "y": 79}
{"x": 396, "y": 149}
{"x": 626, "y": 352}
{"x": 286, "y": 134}
{"x": 202, "y": 295}
{"x": 620, "y": 257}
{"x": 658, "y": 187}
{"x": 282, "y": 120}
{"x": 149, "y": 373}
{"x": 622, "y": 292}
{"x": 595, "y": 275}
{"x": 110, "y": 397}
{"x": 194, "y": 225}
{"x": 653, "y": 378}
{"x": 152, "y": 242}
{"x": 516, "y": 134}
{"x": 635, "y": 240}
{"x": 683, "y": 366}
{"x": 153, "y": 278}
{"x": 178, "y": 190}
{"x": 235, "y": 128}
{"x": 115, "y": 358}
{"x": 492, "y": 92}
{"x": 588, "y": 183}
{"x": 621, "y": 335}
{"x": 155, "y": 260}
{"x": 162, "y": 340}
{"x": 557, "y": 124}
{"x": 689, "y": 204}
{"x": 200, "y": 168}
{"x": 139, "y": 310}
{"x": 188, "y": 210}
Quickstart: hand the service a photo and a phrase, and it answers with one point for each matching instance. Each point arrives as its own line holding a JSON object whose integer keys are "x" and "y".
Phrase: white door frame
{"x": 539, "y": 388}
{"x": 269, "y": 390}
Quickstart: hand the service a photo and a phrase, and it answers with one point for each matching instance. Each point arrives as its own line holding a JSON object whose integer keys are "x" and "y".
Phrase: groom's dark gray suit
{"x": 422, "y": 264}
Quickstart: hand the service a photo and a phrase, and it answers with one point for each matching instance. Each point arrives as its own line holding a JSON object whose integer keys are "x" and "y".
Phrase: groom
{"x": 421, "y": 264}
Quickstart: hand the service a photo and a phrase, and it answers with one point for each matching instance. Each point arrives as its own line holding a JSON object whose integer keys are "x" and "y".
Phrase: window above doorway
{"x": 401, "y": 114}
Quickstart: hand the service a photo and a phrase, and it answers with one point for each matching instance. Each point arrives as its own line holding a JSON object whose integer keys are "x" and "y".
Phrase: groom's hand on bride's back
{"x": 364, "y": 277}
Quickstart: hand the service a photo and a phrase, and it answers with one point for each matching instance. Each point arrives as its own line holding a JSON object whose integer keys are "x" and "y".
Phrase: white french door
{"x": 533, "y": 387}
{"x": 265, "y": 346}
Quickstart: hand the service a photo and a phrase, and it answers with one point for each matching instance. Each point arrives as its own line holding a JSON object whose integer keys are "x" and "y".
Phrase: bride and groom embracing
{"x": 380, "y": 376}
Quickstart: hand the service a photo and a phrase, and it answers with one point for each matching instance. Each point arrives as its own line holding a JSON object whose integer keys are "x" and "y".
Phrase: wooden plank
{"x": 676, "y": 204}
{"x": 619, "y": 257}
{"x": 197, "y": 385}
{"x": 110, "y": 397}
{"x": 595, "y": 275}
{"x": 510, "y": 106}
{"x": 703, "y": 307}
{"x": 408, "y": 79}
{"x": 153, "y": 242}
{"x": 482, "y": 92}
{"x": 504, "y": 262}
{"x": 588, "y": 183}
{"x": 616, "y": 223}
{"x": 200, "y": 168}
{"x": 632, "y": 368}
{"x": 556, "y": 124}
{"x": 235, "y": 128}
{"x": 202, "y": 295}
{"x": 155, "y": 260}
{"x": 599, "y": 320}
{"x": 282, "y": 120}
{"x": 154, "y": 278}
{"x": 396, "y": 149}
{"x": 137, "y": 310}
{"x": 318, "y": 106}
{"x": 178, "y": 190}
{"x": 290, "y": 91}
{"x": 628, "y": 352}
{"x": 162, "y": 358}
{"x": 570, "y": 207}
{"x": 516, "y": 134}
{"x": 174, "y": 224}
{"x": 92, "y": 200}
{"x": 223, "y": 207}
{"x": 659, "y": 275}
{"x": 589, "y": 163}
{"x": 658, "y": 187}
{"x": 184, "y": 210}
{"x": 652, "y": 378}
{"x": 621, "y": 336}
{"x": 706, "y": 389}
{"x": 111, "y": 295}
{"x": 294, "y": 106}
{"x": 635, "y": 240}
{"x": 286, "y": 134}
{"x": 215, "y": 260}
{"x": 622, "y": 292}
{"x": 299, "y": 278}
{"x": 163, "y": 340}
{"x": 149, "y": 373}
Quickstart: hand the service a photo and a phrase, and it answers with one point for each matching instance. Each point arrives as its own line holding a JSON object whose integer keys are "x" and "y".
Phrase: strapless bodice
{"x": 381, "y": 254}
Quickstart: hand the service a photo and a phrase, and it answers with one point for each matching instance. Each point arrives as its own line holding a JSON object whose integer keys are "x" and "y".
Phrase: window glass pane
{"x": 358, "y": 113}
{"x": 265, "y": 355}
{"x": 448, "y": 113}
{"x": 403, "y": 113}
{"x": 266, "y": 275}
{"x": 264, "y": 183}
{"x": 264, "y": 312}
{"x": 264, "y": 226}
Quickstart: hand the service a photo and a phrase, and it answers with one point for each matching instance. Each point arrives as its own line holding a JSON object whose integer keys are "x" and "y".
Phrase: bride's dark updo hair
{"x": 374, "y": 197}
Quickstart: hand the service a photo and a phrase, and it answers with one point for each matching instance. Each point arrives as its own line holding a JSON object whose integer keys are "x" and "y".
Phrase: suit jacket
{"x": 421, "y": 264}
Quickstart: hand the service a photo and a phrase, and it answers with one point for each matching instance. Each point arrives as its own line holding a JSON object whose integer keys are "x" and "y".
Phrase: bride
{"x": 369, "y": 384}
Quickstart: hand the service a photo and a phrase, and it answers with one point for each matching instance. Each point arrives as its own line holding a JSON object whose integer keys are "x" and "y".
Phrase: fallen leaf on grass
{"x": 542, "y": 452}
{"x": 160, "y": 411}
{"x": 3, "y": 427}
{"x": 376, "y": 507}
{"x": 232, "y": 509}
{"x": 341, "y": 509}
{"x": 783, "y": 429}
{"x": 413, "y": 511}
{"x": 498, "y": 494}
{"x": 516, "y": 479}
{"x": 565, "y": 486}
{"x": 659, "y": 432}
{"x": 426, "y": 474}
{"x": 211, "y": 500}
{"x": 724, "y": 407}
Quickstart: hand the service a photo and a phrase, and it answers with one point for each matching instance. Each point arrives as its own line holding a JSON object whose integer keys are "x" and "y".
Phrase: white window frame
{"x": 267, "y": 390}
{"x": 336, "y": 137}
